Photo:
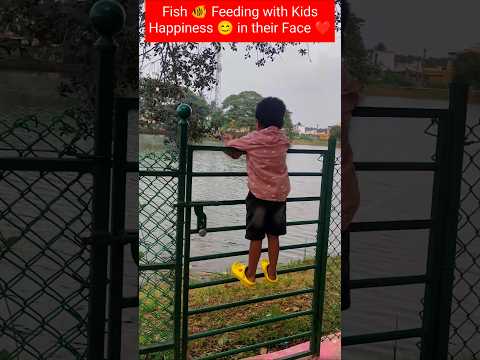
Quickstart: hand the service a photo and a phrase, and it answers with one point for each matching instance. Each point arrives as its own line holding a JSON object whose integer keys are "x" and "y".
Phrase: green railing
{"x": 183, "y": 259}
{"x": 442, "y": 225}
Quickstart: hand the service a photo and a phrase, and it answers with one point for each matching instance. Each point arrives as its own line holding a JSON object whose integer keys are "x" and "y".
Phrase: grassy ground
{"x": 154, "y": 327}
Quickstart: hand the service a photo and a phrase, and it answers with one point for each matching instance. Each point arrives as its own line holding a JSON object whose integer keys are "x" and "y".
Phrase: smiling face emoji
{"x": 225, "y": 27}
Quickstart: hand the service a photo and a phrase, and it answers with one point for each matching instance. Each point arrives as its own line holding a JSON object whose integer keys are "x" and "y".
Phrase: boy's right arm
{"x": 233, "y": 152}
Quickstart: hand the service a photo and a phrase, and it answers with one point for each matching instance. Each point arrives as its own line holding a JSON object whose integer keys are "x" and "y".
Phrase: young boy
{"x": 268, "y": 185}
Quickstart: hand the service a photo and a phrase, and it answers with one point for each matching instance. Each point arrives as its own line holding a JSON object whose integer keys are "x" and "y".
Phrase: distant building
{"x": 416, "y": 69}
{"x": 315, "y": 131}
{"x": 299, "y": 128}
{"x": 311, "y": 130}
{"x": 385, "y": 60}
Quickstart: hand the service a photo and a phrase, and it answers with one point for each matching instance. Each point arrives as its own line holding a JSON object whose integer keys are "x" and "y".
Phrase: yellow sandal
{"x": 238, "y": 271}
{"x": 265, "y": 264}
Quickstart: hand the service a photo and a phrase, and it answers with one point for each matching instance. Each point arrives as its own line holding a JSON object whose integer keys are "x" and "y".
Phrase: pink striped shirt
{"x": 266, "y": 162}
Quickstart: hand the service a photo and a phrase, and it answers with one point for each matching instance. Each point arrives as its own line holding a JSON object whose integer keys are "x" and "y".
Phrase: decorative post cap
{"x": 184, "y": 111}
{"x": 108, "y": 17}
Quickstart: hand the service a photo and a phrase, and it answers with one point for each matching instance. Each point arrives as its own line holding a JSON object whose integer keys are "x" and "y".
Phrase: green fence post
{"x": 458, "y": 115}
{"x": 183, "y": 112}
{"x": 440, "y": 187}
{"x": 108, "y": 18}
{"x": 442, "y": 241}
{"x": 321, "y": 253}
{"x": 119, "y": 181}
{"x": 186, "y": 264}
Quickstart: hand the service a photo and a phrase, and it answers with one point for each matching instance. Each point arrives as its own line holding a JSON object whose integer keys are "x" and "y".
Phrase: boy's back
{"x": 266, "y": 162}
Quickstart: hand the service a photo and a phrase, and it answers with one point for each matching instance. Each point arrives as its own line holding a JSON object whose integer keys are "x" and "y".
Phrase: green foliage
{"x": 60, "y": 32}
{"x": 336, "y": 131}
{"x": 467, "y": 68}
{"x": 380, "y": 47}
{"x": 239, "y": 111}
{"x": 158, "y": 103}
{"x": 353, "y": 50}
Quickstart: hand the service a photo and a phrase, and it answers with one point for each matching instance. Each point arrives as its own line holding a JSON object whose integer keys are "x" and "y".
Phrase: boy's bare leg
{"x": 253, "y": 258}
{"x": 273, "y": 250}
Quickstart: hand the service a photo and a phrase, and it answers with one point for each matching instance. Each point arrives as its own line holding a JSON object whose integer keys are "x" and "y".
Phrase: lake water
{"x": 228, "y": 188}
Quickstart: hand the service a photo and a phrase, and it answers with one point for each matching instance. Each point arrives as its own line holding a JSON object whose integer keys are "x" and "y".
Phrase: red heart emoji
{"x": 322, "y": 27}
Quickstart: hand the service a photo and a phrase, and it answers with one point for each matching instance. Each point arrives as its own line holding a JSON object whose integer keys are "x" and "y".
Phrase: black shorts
{"x": 265, "y": 217}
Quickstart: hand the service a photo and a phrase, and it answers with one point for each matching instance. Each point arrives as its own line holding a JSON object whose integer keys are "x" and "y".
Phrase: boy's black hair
{"x": 270, "y": 112}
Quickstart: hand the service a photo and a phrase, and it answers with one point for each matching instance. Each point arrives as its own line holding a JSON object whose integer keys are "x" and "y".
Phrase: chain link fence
{"x": 464, "y": 343}
{"x": 332, "y": 306}
{"x": 157, "y": 224}
{"x": 44, "y": 217}
{"x": 465, "y": 314}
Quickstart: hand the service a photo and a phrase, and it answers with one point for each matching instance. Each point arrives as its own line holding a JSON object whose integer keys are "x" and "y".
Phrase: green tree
{"x": 158, "y": 108}
{"x": 239, "y": 111}
{"x": 380, "y": 47}
{"x": 467, "y": 68}
{"x": 354, "y": 52}
{"x": 336, "y": 131}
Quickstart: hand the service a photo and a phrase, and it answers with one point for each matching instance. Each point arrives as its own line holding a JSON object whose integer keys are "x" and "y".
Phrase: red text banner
{"x": 239, "y": 21}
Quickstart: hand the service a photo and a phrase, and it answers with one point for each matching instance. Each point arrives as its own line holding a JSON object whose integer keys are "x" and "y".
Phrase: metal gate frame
{"x": 184, "y": 231}
{"x": 438, "y": 279}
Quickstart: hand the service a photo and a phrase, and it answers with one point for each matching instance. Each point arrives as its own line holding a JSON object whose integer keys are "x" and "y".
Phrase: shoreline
{"x": 416, "y": 93}
{"x": 212, "y": 141}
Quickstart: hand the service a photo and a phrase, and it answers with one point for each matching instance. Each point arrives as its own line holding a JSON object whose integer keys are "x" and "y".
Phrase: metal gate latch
{"x": 201, "y": 220}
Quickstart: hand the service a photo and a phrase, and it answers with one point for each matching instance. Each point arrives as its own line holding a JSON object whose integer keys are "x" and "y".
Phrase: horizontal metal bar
{"x": 388, "y": 281}
{"x": 390, "y": 225}
{"x": 231, "y": 280}
{"x": 241, "y": 202}
{"x": 243, "y": 227}
{"x": 155, "y": 267}
{"x": 249, "y": 301}
{"x": 268, "y": 343}
{"x": 238, "y": 173}
{"x": 395, "y": 166}
{"x": 381, "y": 337}
{"x": 157, "y": 173}
{"x": 245, "y": 252}
{"x": 223, "y": 148}
{"x": 168, "y": 345}
{"x": 394, "y": 112}
{"x": 249, "y": 324}
{"x": 130, "y": 302}
{"x": 50, "y": 164}
{"x": 219, "y": 174}
{"x": 209, "y": 148}
{"x": 307, "y": 151}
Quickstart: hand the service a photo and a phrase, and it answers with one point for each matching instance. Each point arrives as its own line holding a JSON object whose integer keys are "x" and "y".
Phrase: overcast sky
{"x": 309, "y": 85}
{"x": 409, "y": 26}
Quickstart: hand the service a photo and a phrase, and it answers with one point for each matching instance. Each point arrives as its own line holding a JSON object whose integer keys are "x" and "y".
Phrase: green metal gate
{"x": 182, "y": 285}
{"x": 438, "y": 279}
